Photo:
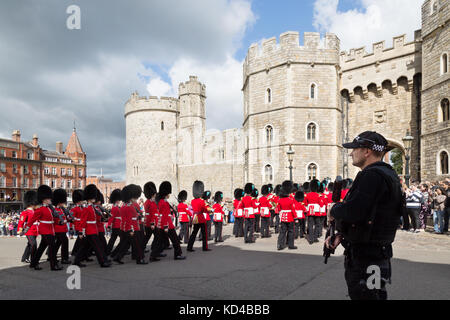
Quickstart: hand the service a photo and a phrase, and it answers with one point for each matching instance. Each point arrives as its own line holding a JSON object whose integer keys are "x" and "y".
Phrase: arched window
{"x": 444, "y": 63}
{"x": 268, "y": 95}
{"x": 162, "y": 125}
{"x": 433, "y": 6}
{"x": 268, "y": 173}
{"x": 312, "y": 171}
{"x": 313, "y": 91}
{"x": 311, "y": 132}
{"x": 269, "y": 135}
{"x": 445, "y": 107}
{"x": 443, "y": 159}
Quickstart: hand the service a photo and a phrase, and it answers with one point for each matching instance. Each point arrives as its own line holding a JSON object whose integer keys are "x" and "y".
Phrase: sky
{"x": 51, "y": 75}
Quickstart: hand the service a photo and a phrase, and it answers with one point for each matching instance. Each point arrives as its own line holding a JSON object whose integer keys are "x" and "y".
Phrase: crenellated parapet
{"x": 288, "y": 50}
{"x": 137, "y": 103}
{"x": 193, "y": 86}
{"x": 383, "y": 67}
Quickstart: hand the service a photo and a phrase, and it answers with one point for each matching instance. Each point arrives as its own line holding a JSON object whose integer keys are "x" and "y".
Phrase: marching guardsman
{"x": 30, "y": 203}
{"x": 137, "y": 192}
{"x": 183, "y": 217}
{"x": 101, "y": 219}
{"x": 77, "y": 211}
{"x": 276, "y": 210}
{"x": 238, "y": 228}
{"x": 313, "y": 202}
{"x": 300, "y": 215}
{"x": 323, "y": 209}
{"x": 218, "y": 216}
{"x": 199, "y": 208}
{"x": 272, "y": 207}
{"x": 165, "y": 223}
{"x": 151, "y": 210}
{"x": 115, "y": 220}
{"x": 286, "y": 211}
{"x": 59, "y": 200}
{"x": 255, "y": 194}
{"x": 249, "y": 215}
{"x": 44, "y": 216}
{"x": 88, "y": 226}
{"x": 306, "y": 190}
{"x": 206, "y": 197}
{"x": 130, "y": 216}
{"x": 264, "y": 208}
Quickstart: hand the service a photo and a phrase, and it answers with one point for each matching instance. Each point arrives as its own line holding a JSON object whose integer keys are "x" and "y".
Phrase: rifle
{"x": 56, "y": 214}
{"x": 331, "y": 232}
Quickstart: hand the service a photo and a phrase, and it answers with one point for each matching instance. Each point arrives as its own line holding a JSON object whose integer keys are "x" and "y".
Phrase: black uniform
{"x": 368, "y": 220}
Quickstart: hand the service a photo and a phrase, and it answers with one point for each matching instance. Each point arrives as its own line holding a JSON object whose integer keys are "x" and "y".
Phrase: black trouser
{"x": 446, "y": 216}
{"x": 312, "y": 225}
{"x": 76, "y": 246}
{"x": 218, "y": 230}
{"x": 184, "y": 232}
{"x": 257, "y": 224}
{"x": 157, "y": 243}
{"x": 296, "y": 229}
{"x": 112, "y": 240}
{"x": 272, "y": 216}
{"x": 249, "y": 226}
{"x": 413, "y": 213}
{"x": 357, "y": 276}
{"x": 63, "y": 242}
{"x": 318, "y": 226}
{"x": 88, "y": 243}
{"x": 47, "y": 240}
{"x": 101, "y": 237}
{"x": 286, "y": 235}
{"x": 172, "y": 235}
{"x": 202, "y": 228}
{"x": 30, "y": 249}
{"x": 148, "y": 234}
{"x": 138, "y": 235}
{"x": 277, "y": 223}
{"x": 208, "y": 230}
{"x": 265, "y": 231}
{"x": 239, "y": 222}
{"x": 116, "y": 250}
{"x": 302, "y": 223}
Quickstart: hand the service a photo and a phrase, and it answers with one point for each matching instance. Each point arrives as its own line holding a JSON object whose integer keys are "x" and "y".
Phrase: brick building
{"x": 25, "y": 166}
{"x": 105, "y": 185}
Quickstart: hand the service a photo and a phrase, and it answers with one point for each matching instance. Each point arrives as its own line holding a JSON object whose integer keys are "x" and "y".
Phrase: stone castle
{"x": 310, "y": 98}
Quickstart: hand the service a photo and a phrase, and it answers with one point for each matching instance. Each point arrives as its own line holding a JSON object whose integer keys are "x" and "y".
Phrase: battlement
{"x": 193, "y": 86}
{"x": 359, "y": 56}
{"x": 138, "y": 103}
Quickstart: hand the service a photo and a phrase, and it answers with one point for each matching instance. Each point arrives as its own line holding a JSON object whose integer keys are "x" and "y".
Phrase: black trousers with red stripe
{"x": 197, "y": 227}
{"x": 47, "y": 240}
{"x": 63, "y": 242}
{"x": 114, "y": 234}
{"x": 90, "y": 242}
{"x": 30, "y": 249}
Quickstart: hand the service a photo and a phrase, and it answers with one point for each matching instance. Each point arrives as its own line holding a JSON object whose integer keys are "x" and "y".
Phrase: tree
{"x": 397, "y": 161}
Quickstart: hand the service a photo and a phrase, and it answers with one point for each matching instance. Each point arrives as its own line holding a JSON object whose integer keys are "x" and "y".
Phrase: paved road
{"x": 233, "y": 270}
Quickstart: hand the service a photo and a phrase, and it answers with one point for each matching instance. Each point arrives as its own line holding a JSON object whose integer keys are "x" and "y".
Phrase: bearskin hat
{"x": 321, "y": 188}
{"x": 59, "y": 196}
{"x": 255, "y": 193}
{"x": 165, "y": 188}
{"x": 306, "y": 186}
{"x": 265, "y": 190}
{"x": 149, "y": 190}
{"x": 314, "y": 185}
{"x": 182, "y": 196}
{"x": 218, "y": 196}
{"x": 270, "y": 187}
{"x": 295, "y": 187}
{"x": 136, "y": 190}
{"x": 277, "y": 189}
{"x": 286, "y": 188}
{"x": 299, "y": 196}
{"x": 126, "y": 194}
{"x": 115, "y": 196}
{"x": 249, "y": 187}
{"x": 238, "y": 194}
{"x": 100, "y": 197}
{"x": 197, "y": 189}
{"x": 30, "y": 199}
{"x": 331, "y": 186}
{"x": 77, "y": 196}
{"x": 206, "y": 195}
{"x": 44, "y": 192}
{"x": 337, "y": 190}
{"x": 90, "y": 192}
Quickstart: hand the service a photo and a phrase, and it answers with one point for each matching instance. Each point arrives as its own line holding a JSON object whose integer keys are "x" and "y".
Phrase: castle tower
{"x": 435, "y": 142}
{"x": 192, "y": 97}
{"x": 291, "y": 97}
{"x": 151, "y": 131}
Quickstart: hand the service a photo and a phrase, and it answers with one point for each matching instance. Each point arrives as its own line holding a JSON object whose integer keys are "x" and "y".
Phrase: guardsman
{"x": 323, "y": 209}
{"x": 218, "y": 216}
{"x": 206, "y": 197}
{"x": 257, "y": 219}
{"x": 264, "y": 208}
{"x": 115, "y": 220}
{"x": 249, "y": 214}
{"x": 30, "y": 203}
{"x": 286, "y": 211}
{"x": 238, "y": 228}
{"x": 101, "y": 219}
{"x": 274, "y": 200}
{"x": 59, "y": 200}
{"x": 183, "y": 217}
{"x": 88, "y": 226}
{"x": 313, "y": 202}
{"x": 77, "y": 211}
{"x": 199, "y": 208}
{"x": 151, "y": 211}
{"x": 44, "y": 216}
{"x": 300, "y": 211}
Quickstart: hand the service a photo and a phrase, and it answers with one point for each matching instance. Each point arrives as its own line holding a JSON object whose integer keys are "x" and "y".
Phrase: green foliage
{"x": 397, "y": 161}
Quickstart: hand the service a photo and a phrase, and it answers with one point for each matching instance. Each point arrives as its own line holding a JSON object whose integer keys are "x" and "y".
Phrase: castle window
{"x": 444, "y": 63}
{"x": 268, "y": 173}
{"x": 445, "y": 107}
{"x": 268, "y": 95}
{"x": 443, "y": 163}
{"x": 162, "y": 125}
{"x": 311, "y": 132}
{"x": 2, "y": 182}
{"x": 312, "y": 171}
{"x": 313, "y": 91}
{"x": 269, "y": 135}
{"x": 433, "y": 6}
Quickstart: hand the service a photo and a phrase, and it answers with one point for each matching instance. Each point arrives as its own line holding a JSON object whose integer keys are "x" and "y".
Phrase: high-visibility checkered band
{"x": 377, "y": 147}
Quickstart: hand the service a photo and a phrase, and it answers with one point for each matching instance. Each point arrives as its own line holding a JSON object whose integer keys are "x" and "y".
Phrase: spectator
{"x": 414, "y": 200}
{"x": 447, "y": 210}
{"x": 439, "y": 206}
{"x": 425, "y": 209}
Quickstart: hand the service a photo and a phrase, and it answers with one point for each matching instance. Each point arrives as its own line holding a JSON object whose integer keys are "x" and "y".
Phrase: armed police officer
{"x": 367, "y": 219}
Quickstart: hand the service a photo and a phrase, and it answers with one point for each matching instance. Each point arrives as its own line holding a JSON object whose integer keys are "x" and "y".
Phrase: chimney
{"x": 35, "y": 140}
{"x": 16, "y": 135}
{"x": 59, "y": 147}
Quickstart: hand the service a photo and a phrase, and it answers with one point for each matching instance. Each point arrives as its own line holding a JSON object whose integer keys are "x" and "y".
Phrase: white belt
{"x": 48, "y": 222}
{"x": 91, "y": 222}
{"x": 36, "y": 223}
{"x": 133, "y": 218}
{"x": 147, "y": 214}
{"x": 118, "y": 218}
{"x": 315, "y": 207}
{"x": 76, "y": 219}
{"x": 284, "y": 211}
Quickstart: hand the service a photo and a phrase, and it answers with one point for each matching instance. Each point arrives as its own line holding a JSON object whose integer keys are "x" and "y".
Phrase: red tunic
{"x": 275, "y": 200}
{"x": 344, "y": 193}
{"x": 247, "y": 205}
{"x": 88, "y": 221}
{"x": 198, "y": 206}
{"x": 238, "y": 212}
{"x": 129, "y": 218}
{"x": 164, "y": 211}
{"x": 77, "y": 212}
{"x": 218, "y": 212}
{"x": 313, "y": 201}
{"x": 286, "y": 209}
{"x": 44, "y": 216}
{"x": 60, "y": 228}
{"x": 25, "y": 218}
{"x": 256, "y": 206}
{"x": 183, "y": 213}
{"x": 300, "y": 210}
{"x": 264, "y": 207}
{"x": 116, "y": 219}
{"x": 151, "y": 212}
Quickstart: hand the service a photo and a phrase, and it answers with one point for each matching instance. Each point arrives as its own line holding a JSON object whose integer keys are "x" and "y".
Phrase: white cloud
{"x": 378, "y": 20}
{"x": 158, "y": 87}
